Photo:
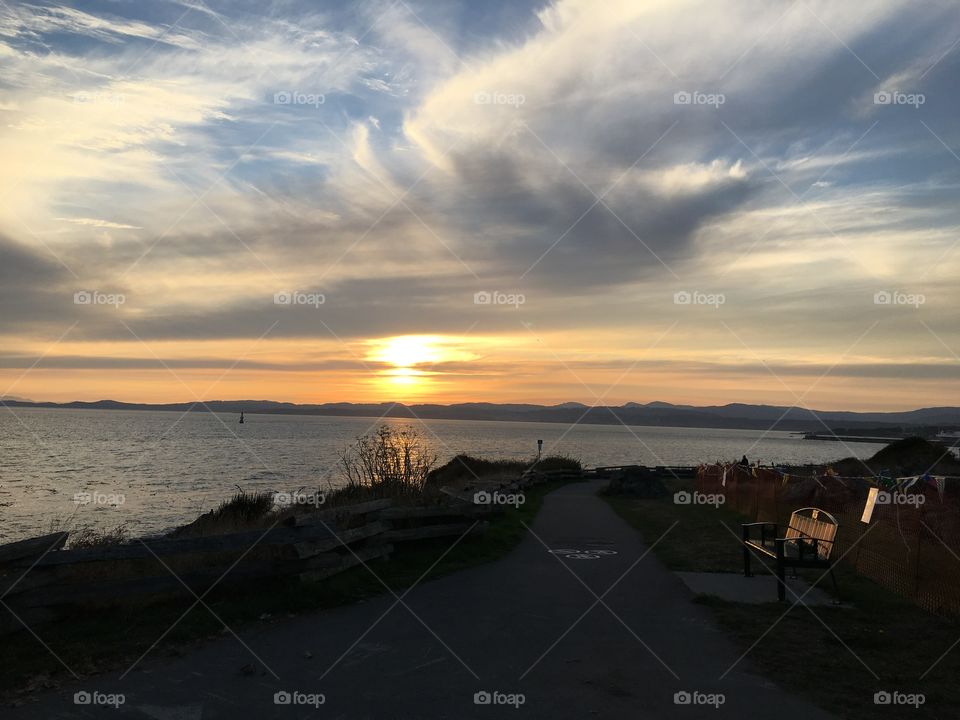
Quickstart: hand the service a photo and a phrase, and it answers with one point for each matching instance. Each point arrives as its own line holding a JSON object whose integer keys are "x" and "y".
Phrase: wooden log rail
{"x": 41, "y": 581}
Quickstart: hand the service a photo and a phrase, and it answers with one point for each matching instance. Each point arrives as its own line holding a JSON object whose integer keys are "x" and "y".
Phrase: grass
{"x": 241, "y": 512}
{"x": 813, "y": 652}
{"x": 467, "y": 468}
{"x": 91, "y": 537}
{"x": 97, "y": 641}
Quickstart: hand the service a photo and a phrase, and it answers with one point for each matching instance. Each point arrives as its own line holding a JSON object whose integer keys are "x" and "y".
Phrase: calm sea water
{"x": 154, "y": 470}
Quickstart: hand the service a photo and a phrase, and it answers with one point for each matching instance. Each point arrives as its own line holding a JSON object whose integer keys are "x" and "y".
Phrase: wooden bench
{"x": 808, "y": 542}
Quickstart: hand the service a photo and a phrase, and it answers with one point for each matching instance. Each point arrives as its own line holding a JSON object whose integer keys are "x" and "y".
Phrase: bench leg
{"x": 781, "y": 584}
{"x": 745, "y": 531}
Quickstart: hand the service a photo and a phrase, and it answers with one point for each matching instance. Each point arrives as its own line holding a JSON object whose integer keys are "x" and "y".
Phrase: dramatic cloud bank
{"x": 684, "y": 200}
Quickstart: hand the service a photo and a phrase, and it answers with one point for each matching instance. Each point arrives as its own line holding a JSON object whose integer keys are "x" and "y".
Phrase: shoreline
{"x": 795, "y": 427}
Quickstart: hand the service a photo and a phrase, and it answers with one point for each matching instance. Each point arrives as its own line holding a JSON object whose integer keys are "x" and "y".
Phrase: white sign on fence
{"x": 871, "y": 503}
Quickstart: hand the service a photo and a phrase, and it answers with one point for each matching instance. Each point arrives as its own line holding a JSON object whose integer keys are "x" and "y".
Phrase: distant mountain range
{"x": 734, "y": 415}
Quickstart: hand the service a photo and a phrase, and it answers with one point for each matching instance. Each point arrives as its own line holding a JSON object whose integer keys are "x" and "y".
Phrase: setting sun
{"x": 408, "y": 350}
{"x": 411, "y": 357}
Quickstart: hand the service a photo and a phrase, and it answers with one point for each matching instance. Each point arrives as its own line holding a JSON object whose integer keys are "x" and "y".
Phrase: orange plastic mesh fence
{"x": 911, "y": 546}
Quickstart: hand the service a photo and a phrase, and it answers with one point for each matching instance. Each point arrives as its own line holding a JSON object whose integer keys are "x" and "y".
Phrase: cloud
{"x": 448, "y": 156}
{"x": 96, "y": 222}
{"x": 34, "y": 21}
{"x": 32, "y": 289}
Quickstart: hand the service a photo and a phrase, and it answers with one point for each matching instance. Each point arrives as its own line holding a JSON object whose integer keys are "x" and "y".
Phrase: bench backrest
{"x": 816, "y": 524}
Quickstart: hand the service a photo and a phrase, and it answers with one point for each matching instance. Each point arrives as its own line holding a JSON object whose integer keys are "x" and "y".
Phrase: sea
{"x": 152, "y": 471}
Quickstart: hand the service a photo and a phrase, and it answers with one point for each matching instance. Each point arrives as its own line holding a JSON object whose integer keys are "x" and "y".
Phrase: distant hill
{"x": 734, "y": 415}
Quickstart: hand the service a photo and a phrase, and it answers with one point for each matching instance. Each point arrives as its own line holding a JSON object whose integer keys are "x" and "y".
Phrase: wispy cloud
{"x": 96, "y": 222}
{"x": 398, "y": 158}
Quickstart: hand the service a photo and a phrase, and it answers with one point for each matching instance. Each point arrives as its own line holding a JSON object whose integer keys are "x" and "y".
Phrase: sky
{"x": 480, "y": 200}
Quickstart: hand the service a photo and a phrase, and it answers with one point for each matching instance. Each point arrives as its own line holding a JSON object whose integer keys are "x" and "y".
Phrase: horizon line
{"x": 5, "y": 400}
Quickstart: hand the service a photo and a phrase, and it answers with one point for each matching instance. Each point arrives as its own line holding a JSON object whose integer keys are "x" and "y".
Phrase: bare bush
{"x": 388, "y": 462}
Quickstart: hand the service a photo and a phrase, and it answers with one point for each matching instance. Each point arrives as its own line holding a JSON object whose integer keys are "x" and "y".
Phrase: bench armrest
{"x": 764, "y": 526}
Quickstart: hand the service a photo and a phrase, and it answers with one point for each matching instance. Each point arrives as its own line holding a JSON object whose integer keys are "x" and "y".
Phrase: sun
{"x": 414, "y": 363}
{"x": 406, "y": 351}
{"x": 405, "y": 377}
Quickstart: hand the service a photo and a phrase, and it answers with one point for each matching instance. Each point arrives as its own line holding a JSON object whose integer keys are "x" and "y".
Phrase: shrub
{"x": 558, "y": 462}
{"x": 467, "y": 467}
{"x": 387, "y": 463}
{"x": 909, "y": 456}
{"x": 243, "y": 510}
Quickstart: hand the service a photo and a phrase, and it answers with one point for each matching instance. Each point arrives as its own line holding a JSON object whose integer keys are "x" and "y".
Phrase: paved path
{"x": 520, "y": 625}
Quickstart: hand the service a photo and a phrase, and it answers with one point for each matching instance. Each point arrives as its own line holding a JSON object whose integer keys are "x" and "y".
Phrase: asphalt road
{"x": 606, "y": 632}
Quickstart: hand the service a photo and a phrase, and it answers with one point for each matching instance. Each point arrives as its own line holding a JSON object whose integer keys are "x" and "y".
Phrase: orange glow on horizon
{"x": 546, "y": 368}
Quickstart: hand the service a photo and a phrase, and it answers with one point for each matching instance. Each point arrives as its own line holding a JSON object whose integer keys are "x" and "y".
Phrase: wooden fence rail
{"x": 40, "y": 581}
